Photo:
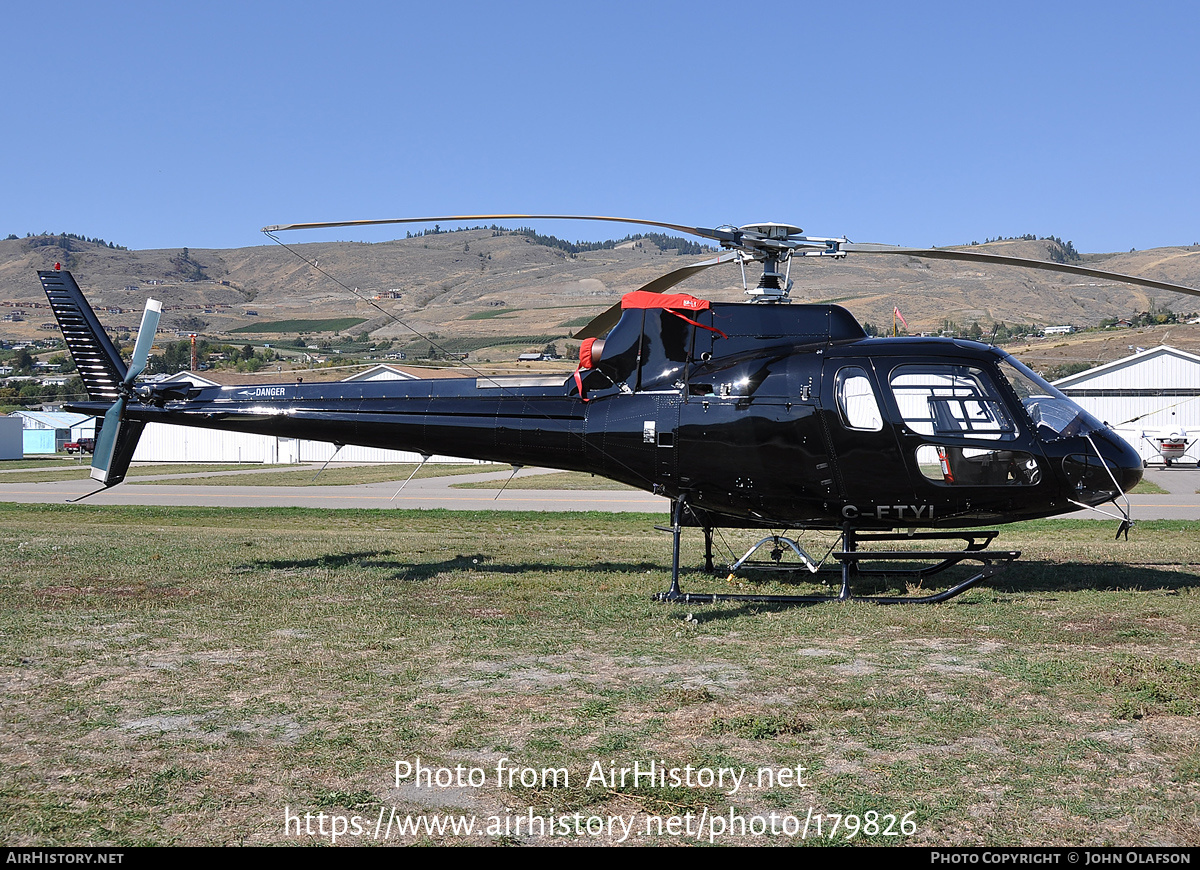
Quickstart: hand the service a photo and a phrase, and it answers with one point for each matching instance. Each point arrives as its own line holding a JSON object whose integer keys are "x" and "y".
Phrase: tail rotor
{"x": 118, "y": 437}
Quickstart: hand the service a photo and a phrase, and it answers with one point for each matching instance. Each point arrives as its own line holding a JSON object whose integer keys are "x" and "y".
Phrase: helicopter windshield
{"x": 1053, "y": 414}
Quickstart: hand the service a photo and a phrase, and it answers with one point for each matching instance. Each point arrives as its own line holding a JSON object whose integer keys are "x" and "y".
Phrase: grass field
{"x": 559, "y": 480}
{"x": 1148, "y": 487}
{"x": 578, "y": 321}
{"x": 328, "y": 324}
{"x": 58, "y": 460}
{"x": 183, "y": 675}
{"x": 490, "y": 313}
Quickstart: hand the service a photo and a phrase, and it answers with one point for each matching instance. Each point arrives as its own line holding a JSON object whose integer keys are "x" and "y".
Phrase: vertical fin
{"x": 104, "y": 375}
{"x": 97, "y": 360}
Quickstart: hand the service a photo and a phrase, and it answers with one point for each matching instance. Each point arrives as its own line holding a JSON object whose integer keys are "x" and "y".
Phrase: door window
{"x": 966, "y": 466}
{"x": 856, "y": 400}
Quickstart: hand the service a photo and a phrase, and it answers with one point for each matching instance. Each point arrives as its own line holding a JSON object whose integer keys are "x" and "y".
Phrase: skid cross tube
{"x": 850, "y": 557}
{"x": 779, "y": 541}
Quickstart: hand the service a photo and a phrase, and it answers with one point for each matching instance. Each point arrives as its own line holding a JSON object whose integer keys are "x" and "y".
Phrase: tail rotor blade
{"x": 111, "y": 458}
{"x": 106, "y": 442}
{"x": 145, "y": 340}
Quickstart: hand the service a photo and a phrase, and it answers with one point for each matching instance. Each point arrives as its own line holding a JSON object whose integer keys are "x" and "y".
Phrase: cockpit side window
{"x": 856, "y": 400}
{"x": 951, "y": 401}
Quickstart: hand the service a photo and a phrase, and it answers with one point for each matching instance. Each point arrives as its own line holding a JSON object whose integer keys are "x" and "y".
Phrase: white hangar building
{"x": 1153, "y": 393}
{"x": 45, "y": 432}
{"x": 167, "y": 443}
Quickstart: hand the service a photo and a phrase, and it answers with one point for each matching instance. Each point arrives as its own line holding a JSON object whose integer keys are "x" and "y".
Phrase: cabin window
{"x": 856, "y": 400}
{"x": 966, "y": 466}
{"x": 951, "y": 401}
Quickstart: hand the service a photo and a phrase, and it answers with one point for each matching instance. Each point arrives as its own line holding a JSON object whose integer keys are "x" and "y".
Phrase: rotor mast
{"x": 774, "y": 245}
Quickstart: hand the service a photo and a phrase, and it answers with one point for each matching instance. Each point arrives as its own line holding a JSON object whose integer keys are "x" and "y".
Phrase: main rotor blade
{"x": 603, "y": 322}
{"x": 1001, "y": 260}
{"x": 663, "y": 283}
{"x": 714, "y": 234}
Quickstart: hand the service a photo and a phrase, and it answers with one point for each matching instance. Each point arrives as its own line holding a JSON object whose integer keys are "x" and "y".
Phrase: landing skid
{"x": 850, "y": 559}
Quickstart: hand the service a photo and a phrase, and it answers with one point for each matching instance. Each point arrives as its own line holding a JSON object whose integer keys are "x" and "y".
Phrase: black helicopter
{"x": 766, "y": 414}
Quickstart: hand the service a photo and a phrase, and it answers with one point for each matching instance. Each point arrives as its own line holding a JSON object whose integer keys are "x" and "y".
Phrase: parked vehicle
{"x": 83, "y": 445}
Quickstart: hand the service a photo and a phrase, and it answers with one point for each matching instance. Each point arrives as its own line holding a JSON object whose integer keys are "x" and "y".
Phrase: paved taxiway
{"x": 426, "y": 493}
{"x": 1182, "y": 502}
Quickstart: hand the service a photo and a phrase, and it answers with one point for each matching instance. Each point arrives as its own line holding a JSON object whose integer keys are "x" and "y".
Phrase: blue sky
{"x": 159, "y": 125}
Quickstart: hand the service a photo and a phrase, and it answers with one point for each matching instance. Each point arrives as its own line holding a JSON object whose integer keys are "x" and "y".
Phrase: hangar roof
{"x": 1157, "y": 368}
{"x": 49, "y": 419}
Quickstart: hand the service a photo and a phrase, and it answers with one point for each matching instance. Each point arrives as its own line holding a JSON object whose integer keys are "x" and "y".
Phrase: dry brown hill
{"x": 489, "y": 285}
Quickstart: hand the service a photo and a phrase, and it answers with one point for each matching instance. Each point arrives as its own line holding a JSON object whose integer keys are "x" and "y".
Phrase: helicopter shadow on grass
{"x": 417, "y": 572}
{"x": 1021, "y": 576}
{"x": 1032, "y": 577}
{"x": 1036, "y": 576}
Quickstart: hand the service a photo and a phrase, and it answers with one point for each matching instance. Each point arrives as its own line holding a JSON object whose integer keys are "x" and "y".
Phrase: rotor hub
{"x": 772, "y": 231}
